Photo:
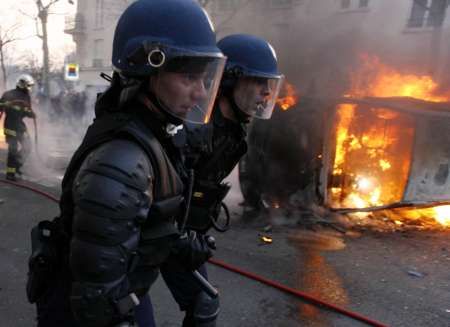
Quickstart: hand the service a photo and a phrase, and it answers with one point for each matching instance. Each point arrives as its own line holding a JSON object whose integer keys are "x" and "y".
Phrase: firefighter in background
{"x": 249, "y": 89}
{"x": 16, "y": 105}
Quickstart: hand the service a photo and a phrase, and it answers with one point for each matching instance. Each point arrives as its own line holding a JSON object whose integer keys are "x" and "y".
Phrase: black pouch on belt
{"x": 205, "y": 204}
{"x": 45, "y": 259}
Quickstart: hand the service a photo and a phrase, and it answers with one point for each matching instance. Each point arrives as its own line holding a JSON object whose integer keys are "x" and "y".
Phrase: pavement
{"x": 398, "y": 278}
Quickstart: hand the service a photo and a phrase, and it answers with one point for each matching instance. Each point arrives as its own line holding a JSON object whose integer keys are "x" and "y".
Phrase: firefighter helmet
{"x": 25, "y": 81}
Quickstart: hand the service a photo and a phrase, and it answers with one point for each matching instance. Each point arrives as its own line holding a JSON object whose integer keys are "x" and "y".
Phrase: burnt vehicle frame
{"x": 293, "y": 152}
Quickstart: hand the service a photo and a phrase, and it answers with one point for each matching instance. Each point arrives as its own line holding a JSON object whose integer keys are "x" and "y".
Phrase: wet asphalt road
{"x": 399, "y": 279}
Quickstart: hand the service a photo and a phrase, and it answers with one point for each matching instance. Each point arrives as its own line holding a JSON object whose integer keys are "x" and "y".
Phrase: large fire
{"x": 379, "y": 80}
{"x": 373, "y": 146}
{"x": 290, "y": 97}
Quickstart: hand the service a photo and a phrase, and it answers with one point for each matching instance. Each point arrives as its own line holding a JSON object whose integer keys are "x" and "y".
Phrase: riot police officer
{"x": 124, "y": 186}
{"x": 249, "y": 89}
{"x": 16, "y": 105}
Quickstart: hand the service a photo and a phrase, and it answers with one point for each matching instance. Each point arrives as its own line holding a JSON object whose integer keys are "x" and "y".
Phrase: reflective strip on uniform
{"x": 10, "y": 132}
{"x": 19, "y": 108}
{"x": 10, "y": 104}
{"x": 198, "y": 194}
{"x": 10, "y": 170}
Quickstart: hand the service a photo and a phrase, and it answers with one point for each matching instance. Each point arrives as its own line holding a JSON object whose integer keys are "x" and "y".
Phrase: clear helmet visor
{"x": 256, "y": 96}
{"x": 187, "y": 86}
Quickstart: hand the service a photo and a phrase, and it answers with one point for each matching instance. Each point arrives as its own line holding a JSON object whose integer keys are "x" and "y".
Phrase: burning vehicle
{"x": 382, "y": 149}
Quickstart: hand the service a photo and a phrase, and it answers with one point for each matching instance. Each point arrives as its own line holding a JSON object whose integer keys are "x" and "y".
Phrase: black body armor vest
{"x": 167, "y": 193}
{"x": 213, "y": 150}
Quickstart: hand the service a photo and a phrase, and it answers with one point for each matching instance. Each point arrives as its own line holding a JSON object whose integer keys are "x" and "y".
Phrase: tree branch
{"x": 13, "y": 28}
{"x": 39, "y": 5}
{"x": 204, "y": 3}
{"x": 4, "y": 42}
{"x": 26, "y": 14}
{"x": 51, "y": 3}
{"x": 232, "y": 14}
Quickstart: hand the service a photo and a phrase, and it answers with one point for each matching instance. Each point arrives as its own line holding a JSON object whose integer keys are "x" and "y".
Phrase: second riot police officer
{"x": 249, "y": 89}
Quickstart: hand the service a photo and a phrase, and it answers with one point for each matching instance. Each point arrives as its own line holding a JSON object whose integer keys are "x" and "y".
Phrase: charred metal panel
{"x": 429, "y": 178}
{"x": 427, "y": 168}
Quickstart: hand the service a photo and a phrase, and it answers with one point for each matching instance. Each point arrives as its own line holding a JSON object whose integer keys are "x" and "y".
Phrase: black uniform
{"x": 213, "y": 150}
{"x": 221, "y": 144}
{"x": 16, "y": 105}
{"x": 121, "y": 194}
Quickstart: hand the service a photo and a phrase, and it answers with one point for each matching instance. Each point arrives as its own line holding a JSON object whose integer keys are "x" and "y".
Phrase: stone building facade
{"x": 316, "y": 40}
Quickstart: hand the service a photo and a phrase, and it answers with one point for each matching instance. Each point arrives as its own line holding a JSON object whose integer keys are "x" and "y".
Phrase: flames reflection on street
{"x": 316, "y": 276}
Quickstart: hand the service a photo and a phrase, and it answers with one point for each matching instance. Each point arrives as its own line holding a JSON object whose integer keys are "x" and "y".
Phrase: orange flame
{"x": 373, "y": 146}
{"x": 379, "y": 80}
{"x": 290, "y": 98}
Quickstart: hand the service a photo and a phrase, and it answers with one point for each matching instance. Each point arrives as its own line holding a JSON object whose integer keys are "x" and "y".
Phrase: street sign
{"x": 71, "y": 72}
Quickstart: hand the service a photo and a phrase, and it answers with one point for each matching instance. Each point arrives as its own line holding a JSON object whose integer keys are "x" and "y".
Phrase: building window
{"x": 99, "y": 5}
{"x": 436, "y": 13}
{"x": 363, "y": 3}
{"x": 97, "y": 63}
{"x": 427, "y": 13}
{"x": 354, "y": 5}
{"x": 97, "y": 60}
{"x": 345, "y": 4}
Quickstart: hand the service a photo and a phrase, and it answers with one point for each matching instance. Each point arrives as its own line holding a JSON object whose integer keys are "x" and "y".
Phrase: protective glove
{"x": 192, "y": 250}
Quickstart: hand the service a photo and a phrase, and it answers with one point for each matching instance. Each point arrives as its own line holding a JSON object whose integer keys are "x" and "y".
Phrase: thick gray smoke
{"x": 318, "y": 42}
{"x": 61, "y": 124}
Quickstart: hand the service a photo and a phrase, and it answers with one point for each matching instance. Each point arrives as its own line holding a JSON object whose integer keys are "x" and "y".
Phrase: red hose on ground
{"x": 258, "y": 278}
{"x": 297, "y": 293}
{"x": 30, "y": 188}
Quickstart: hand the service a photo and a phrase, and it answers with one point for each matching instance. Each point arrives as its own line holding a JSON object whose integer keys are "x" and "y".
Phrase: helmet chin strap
{"x": 150, "y": 101}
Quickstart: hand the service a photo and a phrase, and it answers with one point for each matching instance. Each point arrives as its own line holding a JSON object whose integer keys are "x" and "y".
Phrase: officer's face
{"x": 179, "y": 92}
{"x": 251, "y": 93}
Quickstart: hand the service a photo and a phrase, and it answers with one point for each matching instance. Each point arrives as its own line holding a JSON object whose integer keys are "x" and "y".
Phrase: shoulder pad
{"x": 122, "y": 160}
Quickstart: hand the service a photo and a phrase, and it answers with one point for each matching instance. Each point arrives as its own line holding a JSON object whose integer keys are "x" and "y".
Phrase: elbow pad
{"x": 112, "y": 197}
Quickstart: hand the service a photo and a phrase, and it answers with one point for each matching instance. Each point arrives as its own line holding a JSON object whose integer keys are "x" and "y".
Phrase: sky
{"x": 60, "y": 43}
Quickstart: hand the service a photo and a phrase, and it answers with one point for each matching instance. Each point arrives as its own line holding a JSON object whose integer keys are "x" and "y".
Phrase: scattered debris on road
{"x": 266, "y": 239}
{"x": 415, "y": 273}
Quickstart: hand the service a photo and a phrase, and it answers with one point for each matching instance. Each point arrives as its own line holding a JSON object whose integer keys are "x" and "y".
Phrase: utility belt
{"x": 50, "y": 245}
{"x": 206, "y": 204}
